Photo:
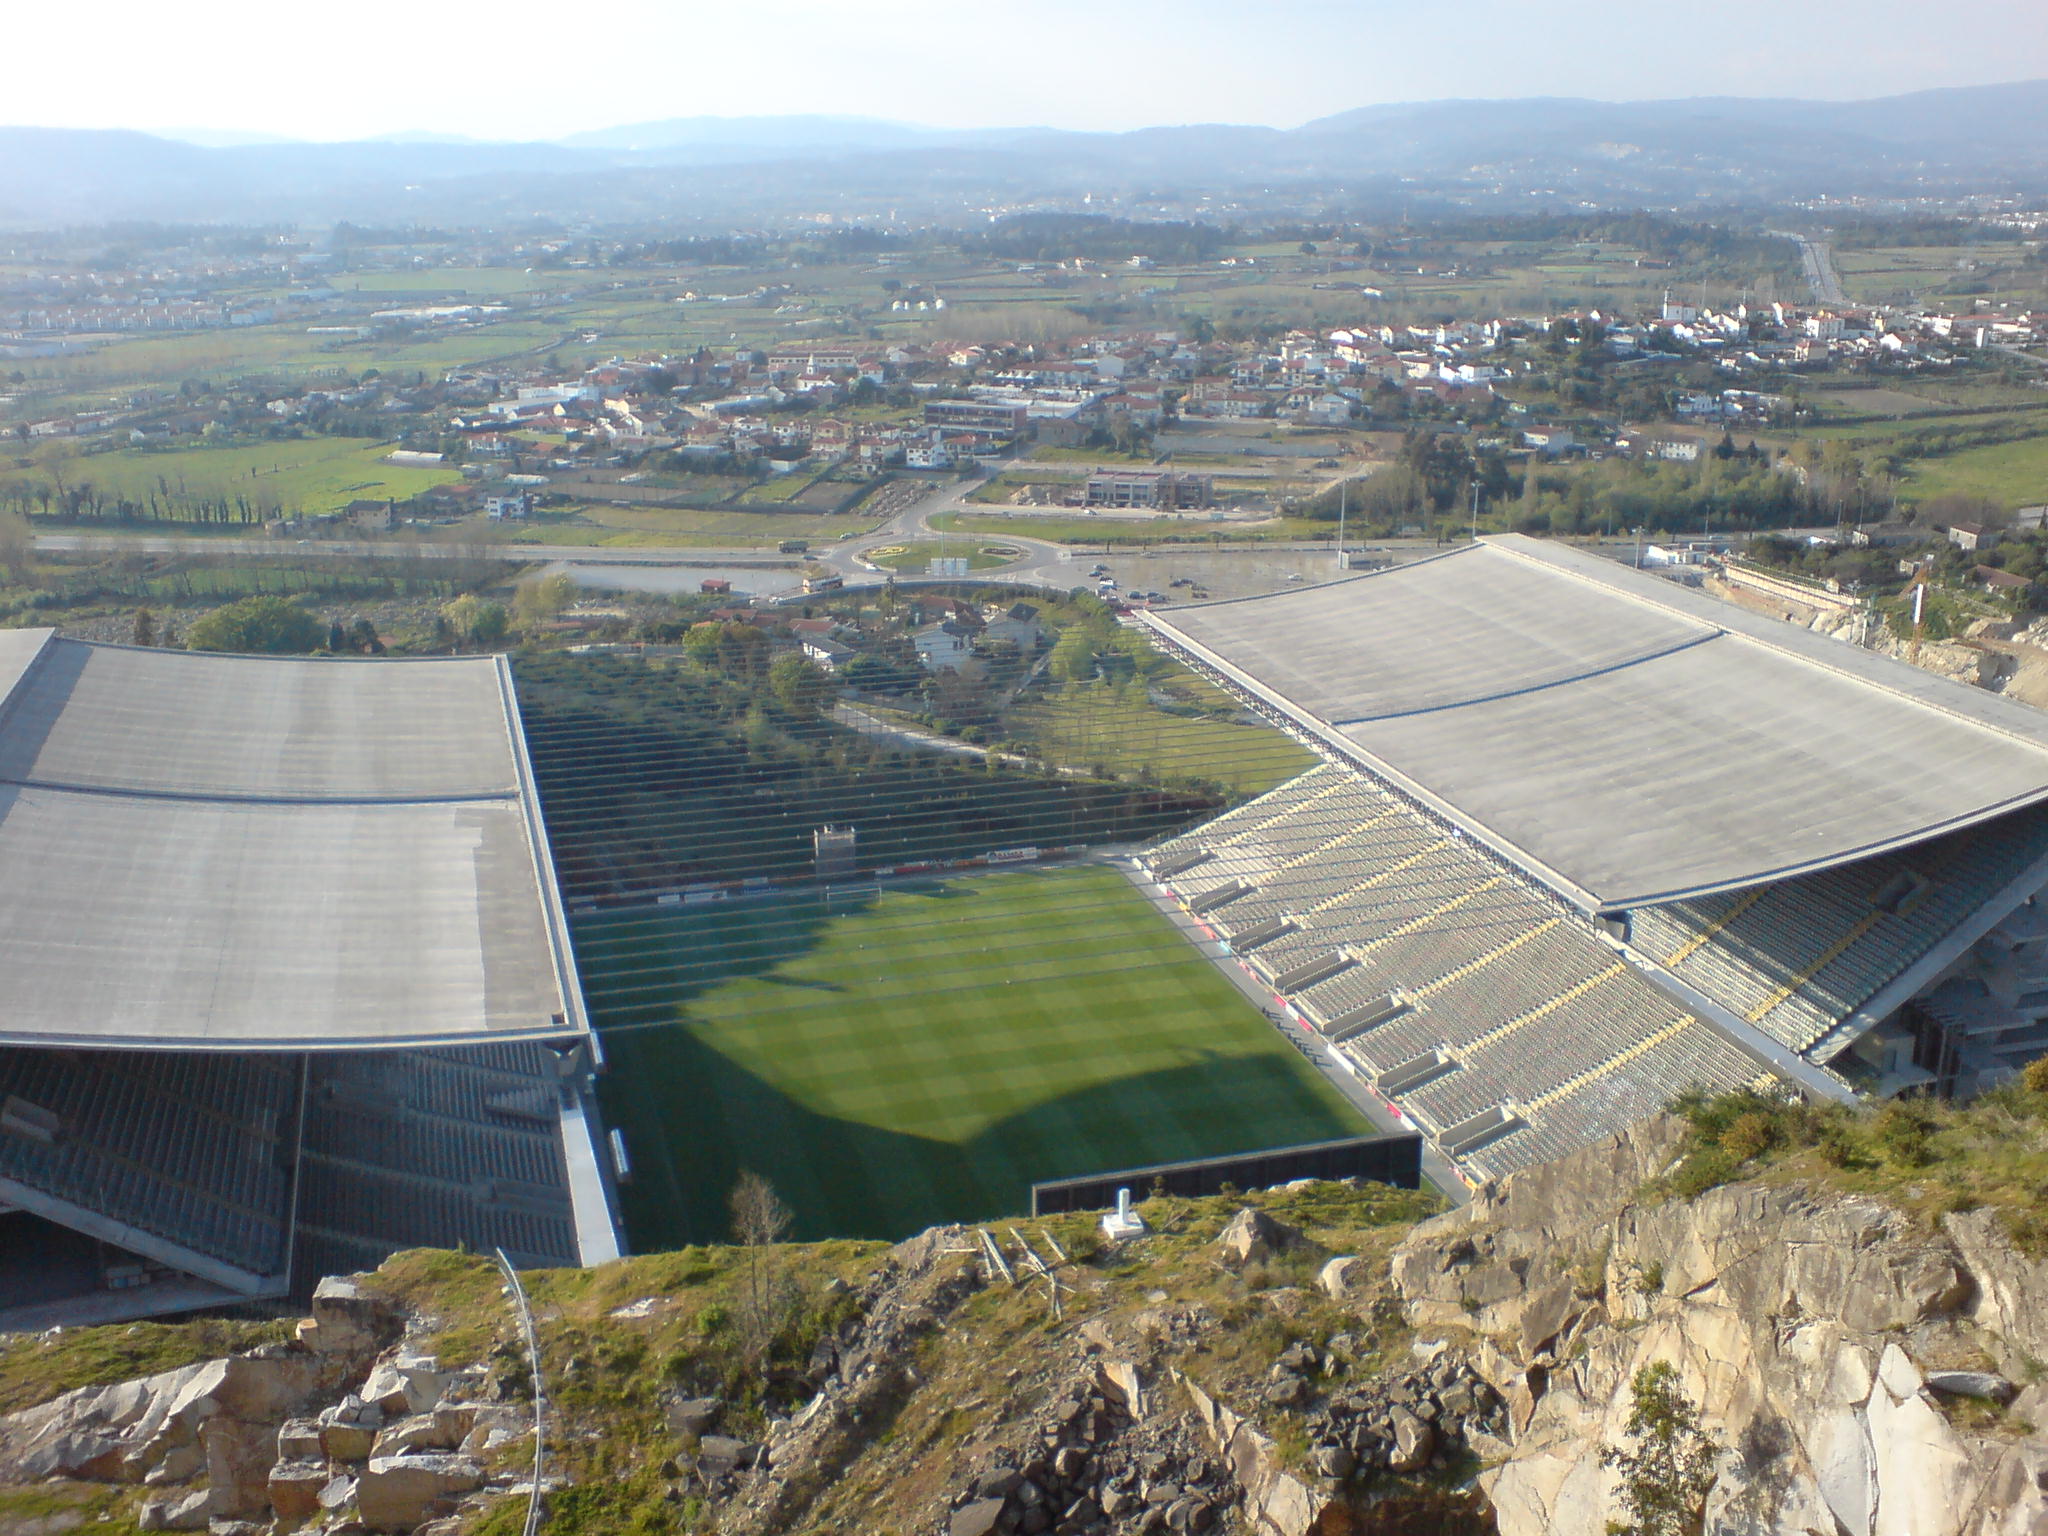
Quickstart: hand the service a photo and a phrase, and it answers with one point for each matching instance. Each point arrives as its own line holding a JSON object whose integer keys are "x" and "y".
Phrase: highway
{"x": 1818, "y": 258}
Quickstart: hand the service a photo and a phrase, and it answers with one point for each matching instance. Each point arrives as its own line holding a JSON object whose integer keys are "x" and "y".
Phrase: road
{"x": 1818, "y": 258}
{"x": 1435, "y": 1167}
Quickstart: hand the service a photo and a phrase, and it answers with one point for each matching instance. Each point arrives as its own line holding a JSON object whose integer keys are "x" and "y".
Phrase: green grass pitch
{"x": 924, "y": 1054}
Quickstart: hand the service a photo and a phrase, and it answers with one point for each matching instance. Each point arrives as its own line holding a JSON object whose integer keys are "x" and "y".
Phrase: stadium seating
{"x": 485, "y": 1119}
{"x": 192, "y": 1149}
{"x": 1497, "y": 1018}
{"x": 196, "y": 1149}
{"x": 1798, "y": 956}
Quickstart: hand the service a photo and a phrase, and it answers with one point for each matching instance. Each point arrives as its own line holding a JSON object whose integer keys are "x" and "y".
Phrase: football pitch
{"x": 924, "y": 1053}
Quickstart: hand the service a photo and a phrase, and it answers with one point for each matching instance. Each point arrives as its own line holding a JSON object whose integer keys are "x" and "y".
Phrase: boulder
{"x": 174, "y": 1512}
{"x": 346, "y": 1319}
{"x": 299, "y": 1440}
{"x": 718, "y": 1453}
{"x": 1414, "y": 1442}
{"x": 976, "y": 1519}
{"x": 421, "y": 1432}
{"x": 410, "y": 1384}
{"x": 295, "y": 1488}
{"x": 396, "y": 1493}
{"x": 346, "y": 1442}
{"x": 693, "y": 1415}
{"x": 1343, "y": 1275}
{"x": 1252, "y": 1235}
{"x": 1121, "y": 1384}
{"x": 1335, "y": 1461}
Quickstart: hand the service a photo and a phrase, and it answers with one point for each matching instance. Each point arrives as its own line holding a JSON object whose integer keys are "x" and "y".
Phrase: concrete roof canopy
{"x": 1622, "y": 739}
{"x": 243, "y": 852}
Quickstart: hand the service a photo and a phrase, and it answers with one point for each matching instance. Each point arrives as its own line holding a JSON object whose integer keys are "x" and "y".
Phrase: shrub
{"x": 2034, "y": 1077}
{"x": 1903, "y": 1133}
{"x": 1703, "y": 1169}
{"x": 274, "y": 626}
{"x": 1750, "y": 1134}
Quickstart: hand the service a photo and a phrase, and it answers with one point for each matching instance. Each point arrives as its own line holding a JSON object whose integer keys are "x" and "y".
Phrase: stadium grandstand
{"x": 288, "y": 985}
{"x": 1584, "y": 839}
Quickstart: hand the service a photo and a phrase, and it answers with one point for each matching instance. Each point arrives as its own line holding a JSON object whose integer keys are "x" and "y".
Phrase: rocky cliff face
{"x": 1305, "y": 1361}
{"x": 1864, "y": 1374}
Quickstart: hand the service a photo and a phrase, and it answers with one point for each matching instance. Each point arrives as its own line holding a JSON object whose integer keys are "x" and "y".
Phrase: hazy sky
{"x": 539, "y": 68}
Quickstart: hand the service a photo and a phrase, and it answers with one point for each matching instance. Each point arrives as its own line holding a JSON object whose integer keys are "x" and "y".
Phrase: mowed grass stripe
{"x": 924, "y": 1054}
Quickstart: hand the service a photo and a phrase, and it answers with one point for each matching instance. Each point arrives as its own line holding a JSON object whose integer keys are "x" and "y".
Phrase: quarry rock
{"x": 295, "y": 1488}
{"x": 421, "y": 1432}
{"x": 239, "y": 1456}
{"x": 1252, "y": 1235}
{"x": 1791, "y": 1314}
{"x": 976, "y": 1519}
{"x": 347, "y": 1442}
{"x": 174, "y": 1512}
{"x": 347, "y": 1319}
{"x": 397, "y": 1493}
{"x": 1343, "y": 1275}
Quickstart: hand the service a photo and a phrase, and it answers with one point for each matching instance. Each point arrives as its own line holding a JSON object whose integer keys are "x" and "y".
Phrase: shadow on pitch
{"x": 694, "y": 1119}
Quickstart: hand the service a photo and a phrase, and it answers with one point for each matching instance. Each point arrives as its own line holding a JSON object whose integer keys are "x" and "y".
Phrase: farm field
{"x": 1885, "y": 274}
{"x": 2014, "y": 474}
{"x": 312, "y": 474}
{"x": 924, "y": 1054}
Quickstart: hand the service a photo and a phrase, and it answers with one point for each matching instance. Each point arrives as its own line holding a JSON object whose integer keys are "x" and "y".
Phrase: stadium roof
{"x": 245, "y": 852}
{"x": 1627, "y": 741}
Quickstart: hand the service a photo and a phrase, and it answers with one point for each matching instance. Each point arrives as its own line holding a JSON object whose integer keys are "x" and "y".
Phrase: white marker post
{"x": 1123, "y": 1222}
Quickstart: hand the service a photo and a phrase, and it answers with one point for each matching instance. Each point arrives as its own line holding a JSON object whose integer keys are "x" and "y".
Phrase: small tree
{"x": 1666, "y": 1477}
{"x": 476, "y": 621}
{"x": 537, "y": 601}
{"x": 145, "y": 627}
{"x": 800, "y": 687}
{"x": 759, "y": 1220}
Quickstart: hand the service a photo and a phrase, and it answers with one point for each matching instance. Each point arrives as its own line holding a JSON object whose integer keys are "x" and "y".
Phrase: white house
{"x": 946, "y": 647}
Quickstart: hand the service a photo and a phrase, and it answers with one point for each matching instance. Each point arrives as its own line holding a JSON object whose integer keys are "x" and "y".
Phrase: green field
{"x": 310, "y": 475}
{"x": 2013, "y": 474}
{"x": 924, "y": 1054}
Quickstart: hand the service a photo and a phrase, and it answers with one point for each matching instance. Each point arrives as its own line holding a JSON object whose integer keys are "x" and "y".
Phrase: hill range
{"x": 1702, "y": 152}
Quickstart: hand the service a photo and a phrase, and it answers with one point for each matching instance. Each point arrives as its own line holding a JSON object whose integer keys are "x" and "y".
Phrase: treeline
{"x": 1729, "y": 489}
{"x": 1094, "y": 237}
{"x": 164, "y": 503}
{"x": 659, "y": 776}
{"x": 53, "y": 587}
